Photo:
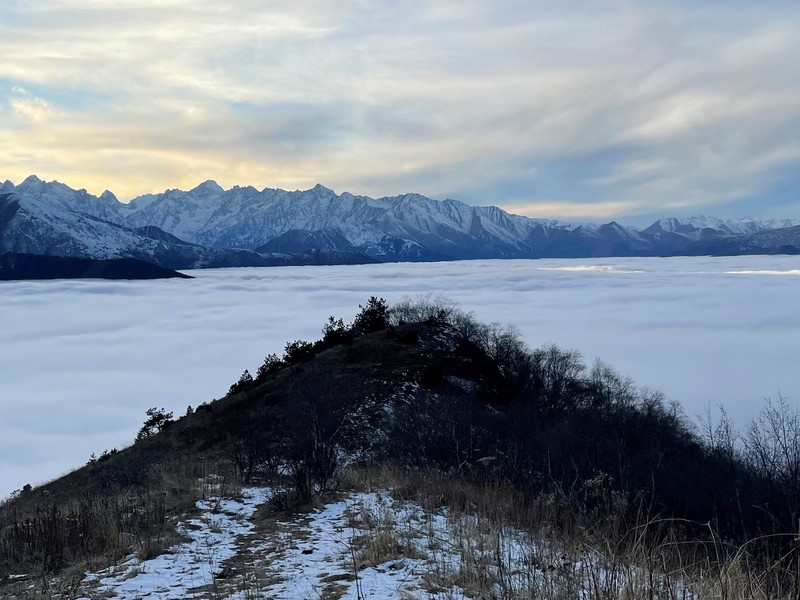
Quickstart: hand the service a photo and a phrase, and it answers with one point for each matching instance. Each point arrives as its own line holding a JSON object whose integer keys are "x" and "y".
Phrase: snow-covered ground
{"x": 365, "y": 545}
{"x": 81, "y": 361}
{"x": 226, "y": 556}
{"x": 192, "y": 565}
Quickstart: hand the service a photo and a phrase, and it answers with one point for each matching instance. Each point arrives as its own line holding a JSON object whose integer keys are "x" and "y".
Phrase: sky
{"x": 81, "y": 360}
{"x": 580, "y": 110}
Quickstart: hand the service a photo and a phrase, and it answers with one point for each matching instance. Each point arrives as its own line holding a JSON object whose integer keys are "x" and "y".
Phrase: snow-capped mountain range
{"x": 210, "y": 226}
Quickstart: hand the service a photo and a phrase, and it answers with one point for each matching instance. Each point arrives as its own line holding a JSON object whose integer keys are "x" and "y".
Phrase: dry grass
{"x": 52, "y": 539}
{"x": 508, "y": 547}
{"x": 378, "y": 538}
{"x": 482, "y": 541}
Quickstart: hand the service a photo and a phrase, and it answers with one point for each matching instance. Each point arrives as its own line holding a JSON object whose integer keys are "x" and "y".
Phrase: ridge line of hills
{"x": 212, "y": 227}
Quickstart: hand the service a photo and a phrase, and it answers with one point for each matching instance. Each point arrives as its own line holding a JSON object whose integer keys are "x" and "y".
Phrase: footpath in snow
{"x": 366, "y": 545}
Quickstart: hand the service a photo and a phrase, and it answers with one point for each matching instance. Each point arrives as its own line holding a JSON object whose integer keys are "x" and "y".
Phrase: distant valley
{"x": 212, "y": 227}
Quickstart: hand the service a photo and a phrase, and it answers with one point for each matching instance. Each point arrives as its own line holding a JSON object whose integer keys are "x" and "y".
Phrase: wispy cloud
{"x": 684, "y": 106}
{"x": 27, "y": 107}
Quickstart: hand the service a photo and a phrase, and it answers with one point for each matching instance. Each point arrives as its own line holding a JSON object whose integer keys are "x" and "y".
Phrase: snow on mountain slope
{"x": 37, "y": 225}
{"x": 406, "y": 227}
{"x": 245, "y": 217}
{"x": 672, "y": 225}
{"x": 43, "y": 226}
{"x": 196, "y": 208}
{"x": 105, "y": 207}
{"x": 745, "y": 226}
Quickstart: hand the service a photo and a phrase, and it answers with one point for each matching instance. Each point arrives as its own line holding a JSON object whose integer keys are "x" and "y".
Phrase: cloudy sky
{"x": 580, "y": 110}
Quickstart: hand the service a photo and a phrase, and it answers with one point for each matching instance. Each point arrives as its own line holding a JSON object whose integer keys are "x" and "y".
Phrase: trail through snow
{"x": 188, "y": 566}
{"x": 304, "y": 559}
{"x": 367, "y": 545}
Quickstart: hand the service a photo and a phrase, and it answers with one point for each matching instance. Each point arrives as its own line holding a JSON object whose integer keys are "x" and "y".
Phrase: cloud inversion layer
{"x": 578, "y": 110}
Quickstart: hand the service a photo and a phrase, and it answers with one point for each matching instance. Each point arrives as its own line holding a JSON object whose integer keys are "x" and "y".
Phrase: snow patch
{"x": 190, "y": 565}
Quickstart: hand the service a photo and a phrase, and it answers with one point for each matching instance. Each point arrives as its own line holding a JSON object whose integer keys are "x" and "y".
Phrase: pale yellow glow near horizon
{"x": 561, "y": 209}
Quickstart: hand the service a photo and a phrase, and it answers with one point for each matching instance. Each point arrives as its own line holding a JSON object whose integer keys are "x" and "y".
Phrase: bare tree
{"x": 319, "y": 413}
{"x": 772, "y": 444}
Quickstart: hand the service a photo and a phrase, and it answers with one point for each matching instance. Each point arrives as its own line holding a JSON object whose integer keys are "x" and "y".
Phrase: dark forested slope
{"x": 32, "y": 266}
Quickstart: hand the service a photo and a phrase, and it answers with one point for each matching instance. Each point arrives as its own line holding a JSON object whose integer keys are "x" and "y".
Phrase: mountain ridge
{"x": 210, "y": 226}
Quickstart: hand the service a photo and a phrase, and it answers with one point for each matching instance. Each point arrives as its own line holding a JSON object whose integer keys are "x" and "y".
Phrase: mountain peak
{"x": 108, "y": 196}
{"x": 669, "y": 225}
{"x": 32, "y": 180}
{"x": 319, "y": 188}
{"x": 209, "y": 186}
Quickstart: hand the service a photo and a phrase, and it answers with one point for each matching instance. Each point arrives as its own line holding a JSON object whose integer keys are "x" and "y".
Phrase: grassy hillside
{"x": 423, "y": 399}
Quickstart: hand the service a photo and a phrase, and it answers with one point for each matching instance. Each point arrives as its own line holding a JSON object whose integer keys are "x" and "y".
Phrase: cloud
{"x": 81, "y": 361}
{"x": 691, "y": 106}
{"x": 30, "y": 108}
{"x": 565, "y": 209}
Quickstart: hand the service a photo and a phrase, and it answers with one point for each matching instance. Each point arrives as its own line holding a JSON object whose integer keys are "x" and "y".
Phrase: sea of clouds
{"x": 81, "y": 361}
